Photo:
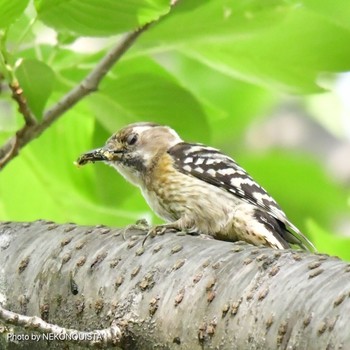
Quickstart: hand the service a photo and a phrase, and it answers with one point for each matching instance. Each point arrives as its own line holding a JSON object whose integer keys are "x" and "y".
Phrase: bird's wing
{"x": 210, "y": 165}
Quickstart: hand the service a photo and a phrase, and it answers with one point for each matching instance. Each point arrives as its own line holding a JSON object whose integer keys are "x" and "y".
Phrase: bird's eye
{"x": 131, "y": 139}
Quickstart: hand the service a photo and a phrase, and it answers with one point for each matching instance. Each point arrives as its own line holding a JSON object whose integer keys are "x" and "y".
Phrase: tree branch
{"x": 109, "y": 336}
{"x": 34, "y": 129}
{"x": 91, "y": 82}
{"x": 176, "y": 292}
{"x": 17, "y": 95}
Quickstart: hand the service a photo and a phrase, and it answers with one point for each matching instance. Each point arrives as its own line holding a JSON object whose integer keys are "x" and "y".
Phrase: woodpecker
{"x": 196, "y": 188}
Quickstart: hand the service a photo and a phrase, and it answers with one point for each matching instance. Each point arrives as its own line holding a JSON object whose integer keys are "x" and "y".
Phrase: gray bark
{"x": 177, "y": 292}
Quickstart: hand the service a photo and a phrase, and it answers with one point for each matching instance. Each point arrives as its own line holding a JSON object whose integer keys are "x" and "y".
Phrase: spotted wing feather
{"x": 210, "y": 165}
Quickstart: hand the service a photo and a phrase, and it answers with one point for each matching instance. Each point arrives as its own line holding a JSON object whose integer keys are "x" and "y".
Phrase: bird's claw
{"x": 157, "y": 231}
{"x": 140, "y": 225}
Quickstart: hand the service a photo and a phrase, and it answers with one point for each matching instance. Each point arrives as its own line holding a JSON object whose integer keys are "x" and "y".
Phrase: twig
{"x": 110, "y": 335}
{"x": 17, "y": 94}
{"x": 92, "y": 80}
{"x": 89, "y": 84}
{"x": 7, "y": 154}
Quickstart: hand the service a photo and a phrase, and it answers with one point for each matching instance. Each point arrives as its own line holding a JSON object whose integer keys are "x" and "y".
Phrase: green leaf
{"x": 66, "y": 38}
{"x": 149, "y": 97}
{"x": 21, "y": 33}
{"x": 216, "y": 20}
{"x": 227, "y": 101}
{"x": 338, "y": 13}
{"x": 36, "y": 79}
{"x": 99, "y": 18}
{"x": 10, "y": 11}
{"x": 274, "y": 45}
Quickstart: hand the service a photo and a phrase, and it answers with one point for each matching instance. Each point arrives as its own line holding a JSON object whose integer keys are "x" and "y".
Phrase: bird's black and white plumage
{"x": 197, "y": 188}
{"x": 210, "y": 165}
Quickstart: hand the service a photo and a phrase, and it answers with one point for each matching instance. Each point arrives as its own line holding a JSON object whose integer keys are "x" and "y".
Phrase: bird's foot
{"x": 160, "y": 230}
{"x": 184, "y": 232}
{"x": 141, "y": 225}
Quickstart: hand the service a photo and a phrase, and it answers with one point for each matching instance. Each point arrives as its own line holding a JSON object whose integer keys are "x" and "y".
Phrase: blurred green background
{"x": 266, "y": 82}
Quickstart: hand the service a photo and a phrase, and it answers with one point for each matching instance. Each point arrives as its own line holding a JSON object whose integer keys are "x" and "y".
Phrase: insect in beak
{"x": 98, "y": 154}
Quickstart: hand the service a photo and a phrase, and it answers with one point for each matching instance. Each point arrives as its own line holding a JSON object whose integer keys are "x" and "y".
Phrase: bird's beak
{"x": 99, "y": 154}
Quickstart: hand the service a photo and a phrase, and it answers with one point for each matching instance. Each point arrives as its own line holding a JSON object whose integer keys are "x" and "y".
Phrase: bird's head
{"x": 132, "y": 149}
